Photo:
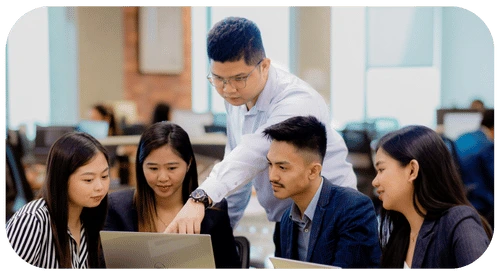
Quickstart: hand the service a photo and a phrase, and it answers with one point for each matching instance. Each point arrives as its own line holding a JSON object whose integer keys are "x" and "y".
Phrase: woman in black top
{"x": 166, "y": 174}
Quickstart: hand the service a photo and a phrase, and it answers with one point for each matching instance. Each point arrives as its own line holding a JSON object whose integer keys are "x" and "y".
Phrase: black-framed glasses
{"x": 237, "y": 82}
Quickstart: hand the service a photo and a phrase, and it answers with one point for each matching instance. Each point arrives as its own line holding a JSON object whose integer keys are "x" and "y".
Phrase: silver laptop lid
{"x": 156, "y": 250}
{"x": 283, "y": 263}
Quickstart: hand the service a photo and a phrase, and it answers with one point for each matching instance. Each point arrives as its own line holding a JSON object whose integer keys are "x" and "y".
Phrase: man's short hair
{"x": 234, "y": 38}
{"x": 303, "y": 132}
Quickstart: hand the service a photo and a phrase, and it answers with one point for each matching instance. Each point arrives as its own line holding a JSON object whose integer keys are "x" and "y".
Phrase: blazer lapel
{"x": 287, "y": 236}
{"x": 424, "y": 236}
{"x": 324, "y": 199}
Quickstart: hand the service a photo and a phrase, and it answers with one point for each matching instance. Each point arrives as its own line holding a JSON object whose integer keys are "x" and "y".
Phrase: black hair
{"x": 161, "y": 112}
{"x": 303, "y": 132}
{"x": 488, "y": 119}
{"x": 437, "y": 187}
{"x": 157, "y": 135}
{"x": 108, "y": 113}
{"x": 66, "y": 155}
{"x": 234, "y": 38}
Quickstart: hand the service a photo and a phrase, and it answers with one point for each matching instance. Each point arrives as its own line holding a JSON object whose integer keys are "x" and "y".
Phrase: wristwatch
{"x": 199, "y": 195}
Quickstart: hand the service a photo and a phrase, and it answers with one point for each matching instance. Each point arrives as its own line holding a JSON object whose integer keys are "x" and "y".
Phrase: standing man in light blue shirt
{"x": 257, "y": 95}
{"x": 326, "y": 224}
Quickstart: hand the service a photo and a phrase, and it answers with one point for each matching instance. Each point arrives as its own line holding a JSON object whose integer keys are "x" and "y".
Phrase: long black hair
{"x": 67, "y": 154}
{"x": 437, "y": 188}
{"x": 157, "y": 135}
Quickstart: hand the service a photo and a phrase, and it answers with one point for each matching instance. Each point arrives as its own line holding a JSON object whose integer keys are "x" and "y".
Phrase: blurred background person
{"x": 475, "y": 155}
{"x": 102, "y": 112}
{"x": 161, "y": 112}
{"x": 119, "y": 155}
{"x": 477, "y": 104}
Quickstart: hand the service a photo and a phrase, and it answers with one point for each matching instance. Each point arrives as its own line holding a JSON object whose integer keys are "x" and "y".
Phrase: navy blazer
{"x": 343, "y": 233}
{"x": 454, "y": 240}
{"x": 122, "y": 216}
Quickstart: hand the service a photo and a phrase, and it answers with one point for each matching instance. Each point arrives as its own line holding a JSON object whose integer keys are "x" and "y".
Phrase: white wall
{"x": 100, "y": 38}
{"x": 310, "y": 47}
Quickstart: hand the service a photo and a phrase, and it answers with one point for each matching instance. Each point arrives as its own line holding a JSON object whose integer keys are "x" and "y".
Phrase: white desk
{"x": 207, "y": 139}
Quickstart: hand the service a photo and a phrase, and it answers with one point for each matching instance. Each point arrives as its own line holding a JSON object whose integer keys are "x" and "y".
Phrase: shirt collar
{"x": 82, "y": 231}
{"x": 267, "y": 94}
{"x": 311, "y": 208}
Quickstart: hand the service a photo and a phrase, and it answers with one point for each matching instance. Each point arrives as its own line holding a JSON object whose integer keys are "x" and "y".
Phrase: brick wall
{"x": 148, "y": 89}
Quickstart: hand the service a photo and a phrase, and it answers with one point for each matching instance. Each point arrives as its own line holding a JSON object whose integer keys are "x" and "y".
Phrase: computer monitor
{"x": 45, "y": 137}
{"x": 456, "y": 122}
{"x": 193, "y": 123}
{"x": 96, "y": 128}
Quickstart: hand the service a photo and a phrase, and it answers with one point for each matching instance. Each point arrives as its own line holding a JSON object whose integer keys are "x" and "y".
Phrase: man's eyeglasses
{"x": 237, "y": 82}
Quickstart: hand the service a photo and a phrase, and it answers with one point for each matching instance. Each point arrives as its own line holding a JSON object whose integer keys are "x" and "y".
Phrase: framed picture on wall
{"x": 161, "y": 45}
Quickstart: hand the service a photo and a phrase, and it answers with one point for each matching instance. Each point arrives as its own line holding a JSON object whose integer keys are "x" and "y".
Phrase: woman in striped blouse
{"x": 61, "y": 228}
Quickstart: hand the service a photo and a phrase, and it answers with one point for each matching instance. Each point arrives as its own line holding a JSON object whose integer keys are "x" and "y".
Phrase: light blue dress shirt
{"x": 245, "y": 163}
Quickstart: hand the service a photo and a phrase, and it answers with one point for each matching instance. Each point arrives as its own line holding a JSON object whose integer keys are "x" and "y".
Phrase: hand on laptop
{"x": 188, "y": 220}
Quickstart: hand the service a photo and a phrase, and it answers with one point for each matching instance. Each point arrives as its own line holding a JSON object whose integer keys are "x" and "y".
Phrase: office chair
{"x": 45, "y": 137}
{"x": 15, "y": 172}
{"x": 452, "y": 148}
{"x": 133, "y": 129}
{"x": 243, "y": 247}
{"x": 215, "y": 129}
{"x": 358, "y": 142}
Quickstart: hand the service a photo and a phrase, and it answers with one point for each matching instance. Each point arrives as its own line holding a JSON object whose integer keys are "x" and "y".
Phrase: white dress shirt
{"x": 245, "y": 163}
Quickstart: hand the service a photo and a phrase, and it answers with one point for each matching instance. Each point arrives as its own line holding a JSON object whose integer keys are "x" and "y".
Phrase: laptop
{"x": 283, "y": 263}
{"x": 156, "y": 250}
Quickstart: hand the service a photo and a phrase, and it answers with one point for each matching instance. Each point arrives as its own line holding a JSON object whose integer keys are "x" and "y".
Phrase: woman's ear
{"x": 414, "y": 167}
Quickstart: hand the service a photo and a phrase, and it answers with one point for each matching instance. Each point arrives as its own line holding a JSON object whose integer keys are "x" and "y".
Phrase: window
{"x": 28, "y": 99}
{"x": 385, "y": 63}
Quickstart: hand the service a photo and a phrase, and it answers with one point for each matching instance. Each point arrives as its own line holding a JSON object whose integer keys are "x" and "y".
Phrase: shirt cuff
{"x": 213, "y": 191}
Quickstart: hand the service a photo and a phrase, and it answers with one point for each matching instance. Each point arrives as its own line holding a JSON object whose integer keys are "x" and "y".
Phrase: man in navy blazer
{"x": 326, "y": 224}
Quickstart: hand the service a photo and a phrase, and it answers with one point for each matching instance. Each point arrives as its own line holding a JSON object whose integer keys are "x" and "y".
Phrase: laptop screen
{"x": 156, "y": 250}
{"x": 283, "y": 263}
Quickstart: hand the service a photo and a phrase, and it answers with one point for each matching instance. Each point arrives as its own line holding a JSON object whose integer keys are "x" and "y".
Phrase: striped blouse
{"x": 30, "y": 234}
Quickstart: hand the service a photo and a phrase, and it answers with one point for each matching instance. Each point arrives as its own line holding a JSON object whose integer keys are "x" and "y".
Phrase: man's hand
{"x": 188, "y": 220}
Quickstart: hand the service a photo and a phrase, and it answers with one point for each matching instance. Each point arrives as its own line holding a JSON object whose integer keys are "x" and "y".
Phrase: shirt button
{"x": 306, "y": 230}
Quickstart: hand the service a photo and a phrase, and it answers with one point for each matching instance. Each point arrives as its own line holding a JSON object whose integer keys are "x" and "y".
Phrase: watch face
{"x": 198, "y": 194}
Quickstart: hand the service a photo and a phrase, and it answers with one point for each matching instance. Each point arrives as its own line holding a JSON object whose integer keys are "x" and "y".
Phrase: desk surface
{"x": 207, "y": 139}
